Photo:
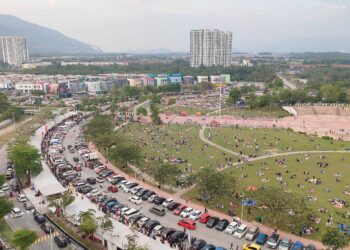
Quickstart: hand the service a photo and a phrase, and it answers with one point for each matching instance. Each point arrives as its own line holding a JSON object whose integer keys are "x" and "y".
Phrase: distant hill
{"x": 43, "y": 40}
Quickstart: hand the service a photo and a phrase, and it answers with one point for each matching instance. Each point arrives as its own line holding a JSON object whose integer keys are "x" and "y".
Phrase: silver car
{"x": 285, "y": 244}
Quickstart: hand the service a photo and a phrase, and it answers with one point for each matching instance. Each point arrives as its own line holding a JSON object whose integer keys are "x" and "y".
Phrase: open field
{"x": 171, "y": 142}
{"x": 266, "y": 112}
{"x": 260, "y": 141}
{"x": 190, "y": 110}
{"x": 290, "y": 174}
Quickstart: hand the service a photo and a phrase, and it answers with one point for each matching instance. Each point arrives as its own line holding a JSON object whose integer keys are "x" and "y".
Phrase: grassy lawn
{"x": 267, "y": 112}
{"x": 189, "y": 110}
{"x": 261, "y": 141}
{"x": 166, "y": 142}
{"x": 264, "y": 173}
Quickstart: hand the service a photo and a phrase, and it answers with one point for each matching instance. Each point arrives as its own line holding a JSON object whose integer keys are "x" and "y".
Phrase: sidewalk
{"x": 177, "y": 198}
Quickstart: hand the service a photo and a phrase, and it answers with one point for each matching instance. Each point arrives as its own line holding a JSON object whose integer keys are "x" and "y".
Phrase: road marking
{"x": 46, "y": 237}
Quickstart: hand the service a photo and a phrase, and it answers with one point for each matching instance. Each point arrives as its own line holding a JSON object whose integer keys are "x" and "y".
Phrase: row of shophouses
{"x": 72, "y": 85}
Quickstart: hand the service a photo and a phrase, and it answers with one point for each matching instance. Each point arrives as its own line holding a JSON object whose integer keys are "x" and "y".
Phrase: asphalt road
{"x": 212, "y": 236}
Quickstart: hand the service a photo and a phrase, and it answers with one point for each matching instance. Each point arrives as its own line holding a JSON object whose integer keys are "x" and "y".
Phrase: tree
{"x": 234, "y": 96}
{"x": 335, "y": 239}
{"x": 164, "y": 173}
{"x": 24, "y": 238}
{"x": 26, "y": 159}
{"x": 5, "y": 207}
{"x": 88, "y": 223}
{"x": 126, "y": 152}
{"x": 131, "y": 244}
{"x": 155, "y": 115}
{"x": 100, "y": 124}
{"x": 281, "y": 210}
{"x": 61, "y": 201}
{"x": 105, "y": 223}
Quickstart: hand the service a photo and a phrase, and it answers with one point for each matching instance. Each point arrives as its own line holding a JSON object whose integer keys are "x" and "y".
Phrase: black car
{"x": 141, "y": 192}
{"x": 173, "y": 205}
{"x": 39, "y": 218}
{"x": 212, "y": 222}
{"x": 167, "y": 232}
{"x": 150, "y": 225}
{"x": 47, "y": 227}
{"x": 198, "y": 244}
{"x": 116, "y": 180}
{"x": 91, "y": 180}
{"x": 310, "y": 247}
{"x": 177, "y": 237}
{"x": 158, "y": 200}
{"x": 222, "y": 224}
{"x": 61, "y": 241}
{"x": 209, "y": 247}
{"x": 135, "y": 218}
{"x": 84, "y": 189}
{"x": 147, "y": 195}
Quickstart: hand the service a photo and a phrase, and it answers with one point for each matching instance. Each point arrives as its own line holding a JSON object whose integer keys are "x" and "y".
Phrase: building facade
{"x": 13, "y": 50}
{"x": 210, "y": 48}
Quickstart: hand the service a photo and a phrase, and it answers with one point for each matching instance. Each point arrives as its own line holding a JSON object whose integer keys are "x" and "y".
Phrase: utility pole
{"x": 220, "y": 101}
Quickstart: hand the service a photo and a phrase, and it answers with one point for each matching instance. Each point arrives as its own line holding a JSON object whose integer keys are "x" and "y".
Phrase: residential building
{"x": 161, "y": 80}
{"x": 175, "y": 78}
{"x": 215, "y": 79}
{"x": 202, "y": 79}
{"x": 210, "y": 48}
{"x": 93, "y": 85}
{"x": 188, "y": 80}
{"x": 13, "y": 50}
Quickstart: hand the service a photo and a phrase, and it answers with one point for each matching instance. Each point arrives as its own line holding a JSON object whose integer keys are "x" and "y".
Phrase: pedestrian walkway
{"x": 190, "y": 203}
{"x": 46, "y": 237}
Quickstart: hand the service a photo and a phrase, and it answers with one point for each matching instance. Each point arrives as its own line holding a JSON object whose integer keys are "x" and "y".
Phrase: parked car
{"x": 285, "y": 244}
{"x": 112, "y": 188}
{"x": 222, "y": 224}
{"x": 252, "y": 233}
{"x": 91, "y": 180}
{"x": 198, "y": 244}
{"x": 203, "y": 218}
{"x": 310, "y": 247}
{"x": 209, "y": 247}
{"x": 39, "y": 218}
{"x": 130, "y": 186}
{"x": 158, "y": 200}
{"x": 28, "y": 206}
{"x": 22, "y": 198}
{"x": 186, "y": 212}
{"x": 273, "y": 241}
{"x": 135, "y": 218}
{"x": 179, "y": 209}
{"x": 157, "y": 230}
{"x": 141, "y": 192}
{"x": 142, "y": 221}
{"x": 231, "y": 228}
{"x": 261, "y": 239}
{"x": 150, "y": 225}
{"x": 147, "y": 195}
{"x": 16, "y": 212}
{"x": 251, "y": 246}
{"x": 240, "y": 231}
{"x": 187, "y": 223}
{"x": 135, "y": 190}
{"x": 177, "y": 237}
{"x": 167, "y": 232}
{"x": 298, "y": 246}
{"x": 61, "y": 241}
{"x": 135, "y": 199}
{"x": 167, "y": 202}
{"x": 151, "y": 198}
{"x": 195, "y": 215}
{"x": 160, "y": 211}
{"x": 173, "y": 205}
{"x": 47, "y": 228}
{"x": 212, "y": 222}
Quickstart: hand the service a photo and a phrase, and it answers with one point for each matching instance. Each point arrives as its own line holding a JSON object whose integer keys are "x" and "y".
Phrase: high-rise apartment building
{"x": 13, "y": 50}
{"x": 210, "y": 48}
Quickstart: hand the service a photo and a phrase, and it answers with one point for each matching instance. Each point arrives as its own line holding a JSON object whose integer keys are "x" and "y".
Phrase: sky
{"x": 142, "y": 25}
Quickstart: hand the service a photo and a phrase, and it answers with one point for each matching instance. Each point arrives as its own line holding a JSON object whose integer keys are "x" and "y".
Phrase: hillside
{"x": 43, "y": 40}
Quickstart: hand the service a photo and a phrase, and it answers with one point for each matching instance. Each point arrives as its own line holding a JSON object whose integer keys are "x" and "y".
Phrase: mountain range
{"x": 42, "y": 40}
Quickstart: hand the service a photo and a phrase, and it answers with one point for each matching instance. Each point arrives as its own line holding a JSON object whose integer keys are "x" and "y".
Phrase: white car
{"x": 16, "y": 212}
{"x": 5, "y": 187}
{"x": 186, "y": 212}
{"x": 231, "y": 228}
{"x": 93, "y": 193}
{"x": 167, "y": 202}
{"x": 124, "y": 210}
{"x": 195, "y": 215}
{"x": 143, "y": 221}
{"x": 135, "y": 199}
{"x": 22, "y": 198}
{"x": 157, "y": 230}
{"x": 240, "y": 231}
{"x": 151, "y": 198}
{"x": 135, "y": 190}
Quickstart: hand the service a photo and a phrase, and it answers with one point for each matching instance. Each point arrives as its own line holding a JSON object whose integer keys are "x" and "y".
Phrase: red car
{"x": 113, "y": 189}
{"x": 203, "y": 218}
{"x": 77, "y": 168}
{"x": 187, "y": 223}
{"x": 179, "y": 209}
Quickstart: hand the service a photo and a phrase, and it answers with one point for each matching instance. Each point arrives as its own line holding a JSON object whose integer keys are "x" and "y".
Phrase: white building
{"x": 93, "y": 85}
{"x": 202, "y": 79}
{"x": 13, "y": 50}
{"x": 210, "y": 48}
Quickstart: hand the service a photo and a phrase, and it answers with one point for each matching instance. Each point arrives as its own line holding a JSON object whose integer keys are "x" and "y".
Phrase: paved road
{"x": 287, "y": 83}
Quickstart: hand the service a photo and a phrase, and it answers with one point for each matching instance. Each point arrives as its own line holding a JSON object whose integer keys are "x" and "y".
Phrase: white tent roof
{"x": 46, "y": 183}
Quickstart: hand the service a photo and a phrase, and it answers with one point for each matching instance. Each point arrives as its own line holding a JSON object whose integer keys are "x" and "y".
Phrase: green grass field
{"x": 261, "y": 141}
{"x": 174, "y": 141}
{"x": 266, "y": 112}
{"x": 264, "y": 173}
{"x": 189, "y": 110}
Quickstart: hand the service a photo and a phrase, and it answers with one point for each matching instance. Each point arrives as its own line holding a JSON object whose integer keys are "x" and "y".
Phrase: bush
{"x": 328, "y": 138}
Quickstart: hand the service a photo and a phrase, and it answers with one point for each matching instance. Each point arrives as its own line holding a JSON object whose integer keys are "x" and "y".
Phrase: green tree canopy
{"x": 87, "y": 222}
{"x": 5, "y": 207}
{"x": 334, "y": 239}
{"x": 24, "y": 238}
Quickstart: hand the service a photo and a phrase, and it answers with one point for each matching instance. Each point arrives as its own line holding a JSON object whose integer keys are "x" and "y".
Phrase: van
{"x": 160, "y": 211}
{"x": 16, "y": 212}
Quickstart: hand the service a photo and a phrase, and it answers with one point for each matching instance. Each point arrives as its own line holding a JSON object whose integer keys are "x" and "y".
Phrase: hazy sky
{"x": 257, "y": 25}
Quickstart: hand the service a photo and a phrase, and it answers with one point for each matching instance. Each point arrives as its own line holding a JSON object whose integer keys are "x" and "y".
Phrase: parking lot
{"x": 211, "y": 236}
